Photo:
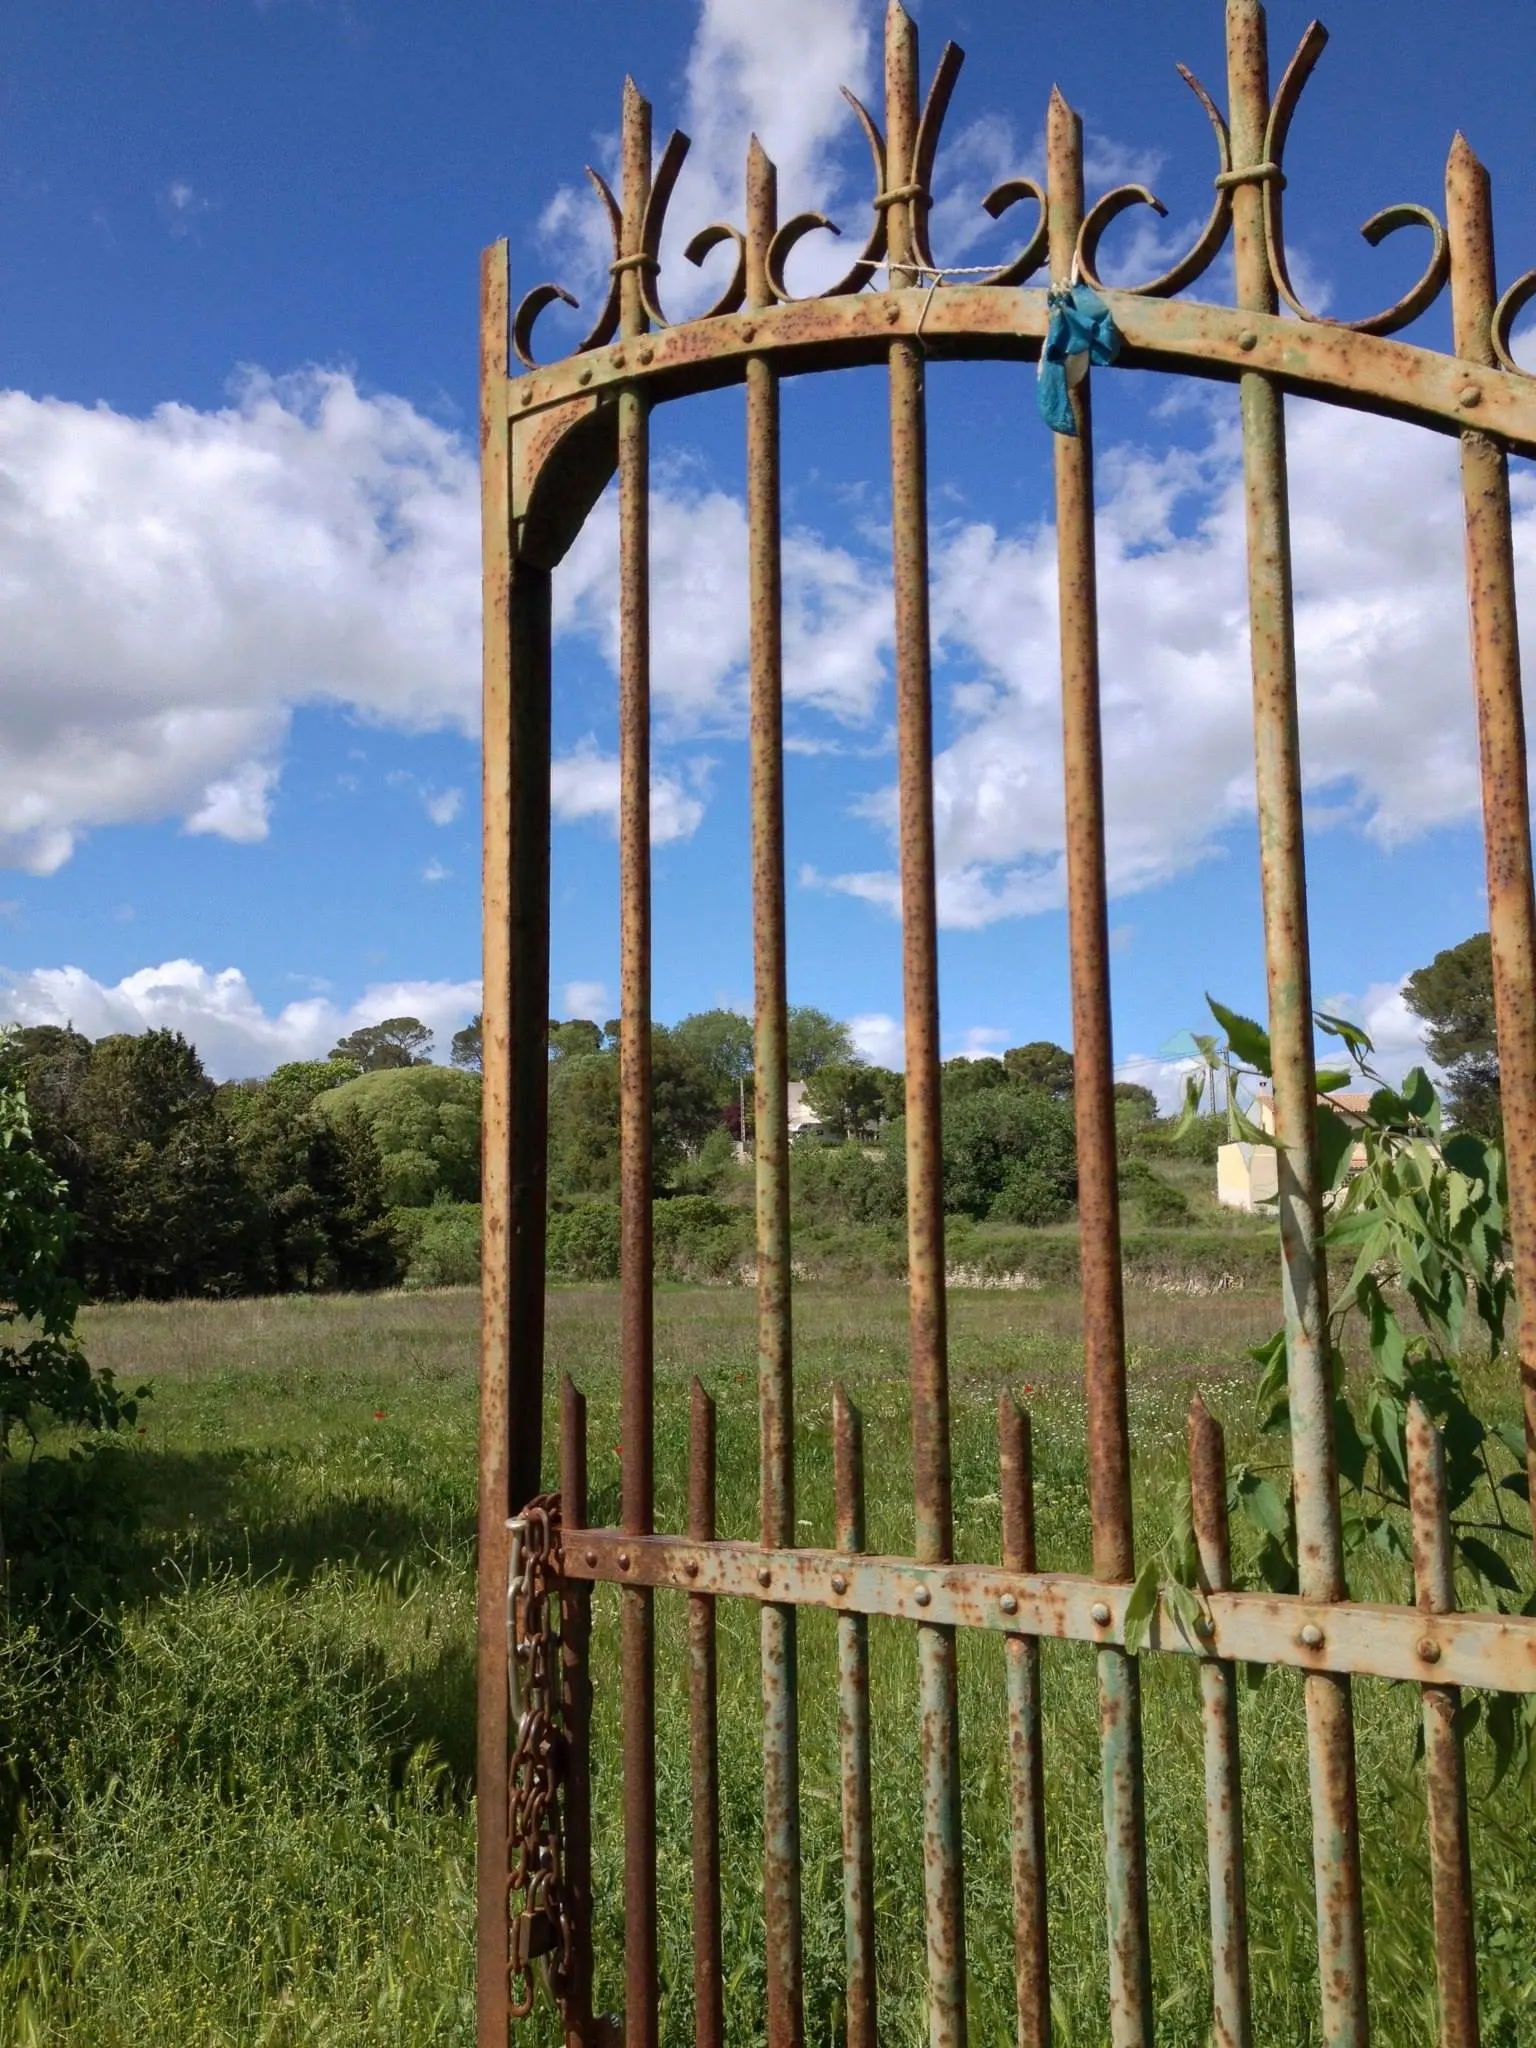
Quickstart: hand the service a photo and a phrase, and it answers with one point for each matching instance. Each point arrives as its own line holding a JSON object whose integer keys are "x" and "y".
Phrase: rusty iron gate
{"x": 552, "y": 436}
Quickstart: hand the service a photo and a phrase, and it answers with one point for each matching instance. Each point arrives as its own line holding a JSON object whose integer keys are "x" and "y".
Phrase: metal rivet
{"x": 1471, "y": 394}
{"x": 1311, "y": 1637}
{"x": 1429, "y": 1650}
{"x": 1098, "y": 1614}
{"x": 647, "y": 355}
{"x": 691, "y": 1567}
{"x": 527, "y": 397}
{"x": 921, "y": 1595}
{"x": 748, "y": 330}
{"x": 764, "y": 1576}
{"x": 1009, "y": 1603}
{"x": 892, "y": 313}
{"x": 584, "y": 375}
{"x": 592, "y": 1559}
{"x": 617, "y": 359}
{"x": 839, "y": 1583}
{"x": 1247, "y": 339}
{"x": 1205, "y": 1628}
{"x": 623, "y": 1560}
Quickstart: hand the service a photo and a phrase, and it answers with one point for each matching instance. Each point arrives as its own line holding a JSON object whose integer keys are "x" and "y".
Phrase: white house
{"x": 801, "y": 1115}
{"x": 1247, "y": 1176}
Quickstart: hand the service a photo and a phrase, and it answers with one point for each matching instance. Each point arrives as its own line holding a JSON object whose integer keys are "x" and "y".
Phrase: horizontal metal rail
{"x": 1366, "y": 372}
{"x": 1491, "y": 1651}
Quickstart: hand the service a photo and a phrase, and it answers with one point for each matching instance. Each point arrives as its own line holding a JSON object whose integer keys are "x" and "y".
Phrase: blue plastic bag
{"x": 1082, "y": 330}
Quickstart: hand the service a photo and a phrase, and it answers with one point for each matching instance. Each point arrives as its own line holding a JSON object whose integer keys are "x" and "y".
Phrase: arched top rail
{"x": 969, "y": 322}
{"x": 562, "y": 416}
{"x": 899, "y": 289}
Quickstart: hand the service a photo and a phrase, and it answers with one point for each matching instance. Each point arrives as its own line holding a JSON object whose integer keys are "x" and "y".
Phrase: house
{"x": 802, "y": 1117}
{"x": 1247, "y": 1176}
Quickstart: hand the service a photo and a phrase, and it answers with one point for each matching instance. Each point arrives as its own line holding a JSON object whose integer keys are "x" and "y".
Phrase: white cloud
{"x": 770, "y": 71}
{"x": 837, "y": 614}
{"x": 585, "y": 784}
{"x": 172, "y": 587}
{"x": 443, "y": 805}
{"x": 878, "y": 1039}
{"x": 219, "y": 1012}
{"x": 587, "y": 999}
{"x": 1388, "y": 738}
{"x": 434, "y": 871}
{"x": 236, "y": 806}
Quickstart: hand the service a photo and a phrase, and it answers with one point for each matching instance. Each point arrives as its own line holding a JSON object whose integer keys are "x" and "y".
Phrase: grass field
{"x": 250, "y": 1807}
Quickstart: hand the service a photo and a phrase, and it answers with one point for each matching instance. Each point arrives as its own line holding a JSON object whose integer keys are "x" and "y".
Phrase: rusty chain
{"x": 541, "y": 1930}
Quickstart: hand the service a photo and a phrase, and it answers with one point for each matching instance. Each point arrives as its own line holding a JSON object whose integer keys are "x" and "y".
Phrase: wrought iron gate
{"x": 552, "y": 437}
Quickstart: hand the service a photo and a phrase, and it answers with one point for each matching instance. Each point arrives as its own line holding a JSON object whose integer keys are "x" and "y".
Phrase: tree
{"x": 1010, "y": 1154}
{"x": 814, "y": 1038}
{"x": 961, "y": 1076}
{"x": 318, "y": 1180}
{"x": 1454, "y": 997}
{"x": 721, "y": 1041}
{"x": 848, "y": 1096}
{"x": 1134, "y": 1098}
{"x": 684, "y": 1108}
{"x": 466, "y": 1047}
{"x": 425, "y": 1123}
{"x": 578, "y": 1035}
{"x": 1042, "y": 1065}
{"x": 42, "y": 1366}
{"x": 396, "y": 1042}
{"x": 167, "y": 1211}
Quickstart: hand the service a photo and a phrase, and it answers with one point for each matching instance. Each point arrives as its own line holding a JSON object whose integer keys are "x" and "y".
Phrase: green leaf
{"x": 1335, "y": 1142}
{"x": 1388, "y": 1108}
{"x": 1352, "y": 1448}
{"x": 1194, "y": 1088}
{"x": 1141, "y": 1607}
{"x": 1184, "y": 1610}
{"x": 1264, "y": 1507}
{"x": 1358, "y": 1041}
{"x": 1500, "y": 1719}
{"x": 1468, "y": 1153}
{"x": 1330, "y": 1078}
{"x": 1249, "y": 1041}
{"x": 1418, "y": 1092}
{"x": 1487, "y": 1563}
{"x": 1512, "y": 1437}
{"x": 1389, "y": 1347}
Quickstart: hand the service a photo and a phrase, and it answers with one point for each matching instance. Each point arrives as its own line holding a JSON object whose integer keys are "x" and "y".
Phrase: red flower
{"x": 378, "y": 1414}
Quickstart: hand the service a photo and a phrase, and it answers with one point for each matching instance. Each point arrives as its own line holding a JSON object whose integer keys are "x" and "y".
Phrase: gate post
{"x": 515, "y": 1014}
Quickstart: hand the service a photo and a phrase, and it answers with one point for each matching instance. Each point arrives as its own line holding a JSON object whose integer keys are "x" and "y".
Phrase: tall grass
{"x": 248, "y": 1812}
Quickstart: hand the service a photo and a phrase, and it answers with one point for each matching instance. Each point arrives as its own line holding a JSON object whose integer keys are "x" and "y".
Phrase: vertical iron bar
{"x": 704, "y": 1746}
{"x": 516, "y": 997}
{"x": 1230, "y": 1987}
{"x": 944, "y": 1894}
{"x": 1501, "y": 740}
{"x": 576, "y": 1719}
{"x": 781, "y": 1755}
{"x": 1026, "y": 1752}
{"x": 1330, "y": 1716}
{"x": 1445, "y": 1772}
{"x": 1109, "y": 1452}
{"x": 853, "y": 1733}
{"x": 638, "y": 1624}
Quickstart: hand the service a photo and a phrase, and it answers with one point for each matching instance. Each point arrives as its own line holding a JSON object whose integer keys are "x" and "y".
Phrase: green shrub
{"x": 583, "y": 1242}
{"x": 446, "y": 1252}
{"x": 1161, "y": 1203}
{"x": 699, "y": 1238}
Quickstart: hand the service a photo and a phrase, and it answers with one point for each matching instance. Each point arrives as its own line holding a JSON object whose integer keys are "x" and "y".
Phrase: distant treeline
{"x": 363, "y": 1170}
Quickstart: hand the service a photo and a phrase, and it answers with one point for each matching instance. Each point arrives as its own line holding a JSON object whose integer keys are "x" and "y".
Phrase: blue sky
{"x": 238, "y": 523}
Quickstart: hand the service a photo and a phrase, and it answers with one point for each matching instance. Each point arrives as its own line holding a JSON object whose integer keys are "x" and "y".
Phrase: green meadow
{"x": 239, "y": 1805}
